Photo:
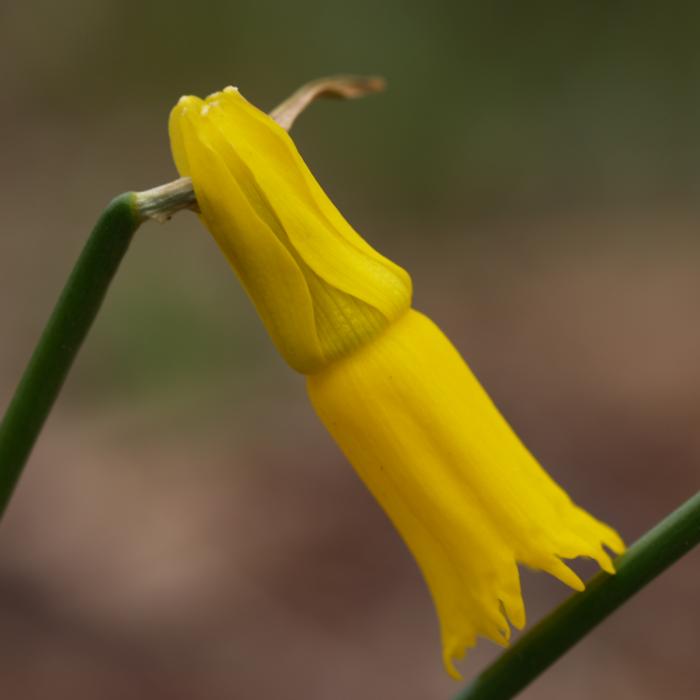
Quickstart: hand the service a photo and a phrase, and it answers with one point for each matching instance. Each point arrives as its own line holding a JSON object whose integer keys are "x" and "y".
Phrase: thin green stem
{"x": 86, "y": 288}
{"x": 658, "y": 549}
{"x": 64, "y": 334}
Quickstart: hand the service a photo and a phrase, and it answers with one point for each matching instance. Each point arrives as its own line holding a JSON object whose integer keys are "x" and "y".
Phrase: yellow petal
{"x": 265, "y": 266}
{"x": 468, "y": 498}
{"x": 354, "y": 292}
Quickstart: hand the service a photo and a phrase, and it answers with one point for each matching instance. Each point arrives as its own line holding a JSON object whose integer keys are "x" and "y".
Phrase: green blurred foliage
{"x": 491, "y": 104}
{"x": 494, "y": 109}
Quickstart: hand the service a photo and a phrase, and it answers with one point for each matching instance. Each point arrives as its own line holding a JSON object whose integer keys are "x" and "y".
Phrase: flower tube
{"x": 468, "y": 498}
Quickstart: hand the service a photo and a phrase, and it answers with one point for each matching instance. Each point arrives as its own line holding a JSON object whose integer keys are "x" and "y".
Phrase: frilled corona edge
{"x": 468, "y": 498}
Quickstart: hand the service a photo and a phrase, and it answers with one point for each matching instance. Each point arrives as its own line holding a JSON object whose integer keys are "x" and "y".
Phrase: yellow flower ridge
{"x": 468, "y": 498}
{"x": 320, "y": 289}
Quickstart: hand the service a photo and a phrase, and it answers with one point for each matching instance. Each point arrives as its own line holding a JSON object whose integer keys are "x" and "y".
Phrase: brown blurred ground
{"x": 185, "y": 528}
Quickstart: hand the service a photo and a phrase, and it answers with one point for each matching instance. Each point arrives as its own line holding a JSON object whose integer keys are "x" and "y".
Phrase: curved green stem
{"x": 64, "y": 334}
{"x": 86, "y": 287}
{"x": 663, "y": 545}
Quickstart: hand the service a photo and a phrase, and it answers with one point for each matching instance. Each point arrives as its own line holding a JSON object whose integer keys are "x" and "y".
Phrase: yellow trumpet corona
{"x": 468, "y": 498}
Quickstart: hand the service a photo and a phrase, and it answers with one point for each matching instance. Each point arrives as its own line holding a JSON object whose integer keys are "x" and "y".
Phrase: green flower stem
{"x": 658, "y": 549}
{"x": 64, "y": 334}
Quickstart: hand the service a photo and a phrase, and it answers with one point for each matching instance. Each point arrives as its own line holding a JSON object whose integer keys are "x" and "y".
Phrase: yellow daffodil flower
{"x": 468, "y": 498}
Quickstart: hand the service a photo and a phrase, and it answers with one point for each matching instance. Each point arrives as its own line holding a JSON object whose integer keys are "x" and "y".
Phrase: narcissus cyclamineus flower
{"x": 468, "y": 498}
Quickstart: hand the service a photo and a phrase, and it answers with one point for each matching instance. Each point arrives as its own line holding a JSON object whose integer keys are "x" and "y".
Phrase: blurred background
{"x": 186, "y": 528}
